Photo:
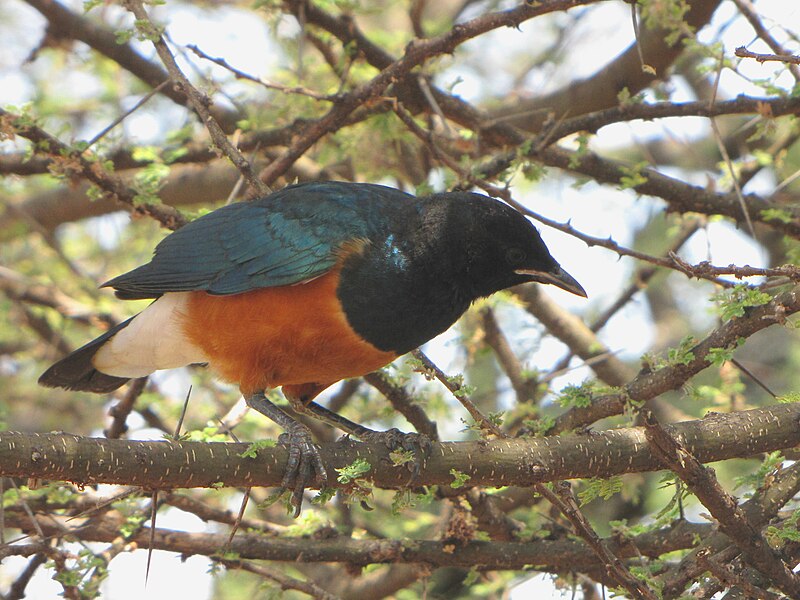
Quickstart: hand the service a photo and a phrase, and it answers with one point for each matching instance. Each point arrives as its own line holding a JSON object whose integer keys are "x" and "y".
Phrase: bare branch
{"x": 743, "y": 52}
{"x": 554, "y": 555}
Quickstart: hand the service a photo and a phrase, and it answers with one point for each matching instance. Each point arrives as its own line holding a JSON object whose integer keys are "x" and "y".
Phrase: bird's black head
{"x": 436, "y": 255}
{"x": 501, "y": 248}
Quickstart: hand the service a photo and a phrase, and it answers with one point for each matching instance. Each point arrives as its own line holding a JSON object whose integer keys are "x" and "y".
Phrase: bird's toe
{"x": 304, "y": 466}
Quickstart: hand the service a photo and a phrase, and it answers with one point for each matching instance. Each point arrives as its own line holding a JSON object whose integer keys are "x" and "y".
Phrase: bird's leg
{"x": 304, "y": 465}
{"x": 301, "y": 396}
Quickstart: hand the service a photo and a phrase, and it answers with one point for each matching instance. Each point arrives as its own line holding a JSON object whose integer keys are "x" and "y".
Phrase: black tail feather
{"x": 76, "y": 372}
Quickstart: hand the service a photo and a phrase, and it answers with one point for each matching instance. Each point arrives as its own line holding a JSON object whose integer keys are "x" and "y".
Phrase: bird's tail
{"x": 76, "y": 371}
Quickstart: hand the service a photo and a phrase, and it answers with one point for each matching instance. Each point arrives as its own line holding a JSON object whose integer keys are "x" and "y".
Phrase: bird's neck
{"x": 399, "y": 296}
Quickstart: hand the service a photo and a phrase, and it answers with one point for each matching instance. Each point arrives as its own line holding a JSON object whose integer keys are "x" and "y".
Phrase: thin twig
{"x": 142, "y": 101}
{"x": 753, "y": 377}
{"x": 431, "y": 370}
{"x": 749, "y": 11}
{"x": 284, "y": 581}
{"x": 402, "y": 401}
{"x": 724, "y": 151}
{"x": 743, "y": 52}
{"x": 239, "y": 74}
{"x": 178, "y": 427}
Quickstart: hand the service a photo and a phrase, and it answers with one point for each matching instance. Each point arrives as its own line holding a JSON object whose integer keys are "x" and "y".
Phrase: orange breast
{"x": 286, "y": 335}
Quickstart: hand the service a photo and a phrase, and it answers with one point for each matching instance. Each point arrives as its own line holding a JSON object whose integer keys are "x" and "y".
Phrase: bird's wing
{"x": 286, "y": 238}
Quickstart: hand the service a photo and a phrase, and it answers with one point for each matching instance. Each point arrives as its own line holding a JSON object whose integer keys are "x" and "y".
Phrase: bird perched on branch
{"x": 307, "y": 286}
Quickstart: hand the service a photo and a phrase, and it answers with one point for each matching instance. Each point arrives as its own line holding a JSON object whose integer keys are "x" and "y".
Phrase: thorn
{"x": 153, "y": 512}
{"x": 183, "y": 414}
{"x": 238, "y": 520}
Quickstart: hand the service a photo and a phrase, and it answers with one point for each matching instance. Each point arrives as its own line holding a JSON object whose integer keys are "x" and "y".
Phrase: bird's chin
{"x": 557, "y": 277}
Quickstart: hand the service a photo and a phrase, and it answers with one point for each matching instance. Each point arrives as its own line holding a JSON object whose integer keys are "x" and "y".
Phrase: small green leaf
{"x": 777, "y": 214}
{"x": 633, "y": 176}
{"x": 353, "y": 471}
{"x": 325, "y": 495}
{"x": 459, "y": 479}
{"x": 682, "y": 355}
{"x": 254, "y": 447}
{"x": 789, "y": 398}
{"x": 733, "y": 302}
{"x": 401, "y": 457}
{"x": 600, "y": 488}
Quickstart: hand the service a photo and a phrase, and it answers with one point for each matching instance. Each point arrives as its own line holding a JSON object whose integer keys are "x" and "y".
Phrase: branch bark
{"x": 522, "y": 462}
{"x": 555, "y": 555}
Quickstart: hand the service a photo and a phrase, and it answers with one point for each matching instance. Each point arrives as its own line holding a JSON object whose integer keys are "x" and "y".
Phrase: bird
{"x": 306, "y": 286}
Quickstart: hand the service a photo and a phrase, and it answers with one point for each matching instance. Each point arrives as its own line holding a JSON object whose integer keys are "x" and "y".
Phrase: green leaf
{"x": 353, "y": 471}
{"x": 325, "y": 495}
{"x": 633, "y": 175}
{"x": 401, "y": 457}
{"x": 459, "y": 479}
{"x": 254, "y": 447}
{"x": 733, "y": 302}
{"x": 777, "y": 214}
{"x": 718, "y": 356}
{"x": 600, "y": 488}
{"x": 769, "y": 465}
{"x": 682, "y": 355}
{"x": 789, "y": 398}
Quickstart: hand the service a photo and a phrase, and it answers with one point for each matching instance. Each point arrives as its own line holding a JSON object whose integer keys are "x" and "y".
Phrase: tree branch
{"x": 648, "y": 383}
{"x": 169, "y": 464}
{"x": 69, "y": 162}
{"x": 723, "y": 507}
{"x": 554, "y": 555}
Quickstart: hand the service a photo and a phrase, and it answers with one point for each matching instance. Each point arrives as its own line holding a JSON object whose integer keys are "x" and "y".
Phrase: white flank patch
{"x": 154, "y": 340}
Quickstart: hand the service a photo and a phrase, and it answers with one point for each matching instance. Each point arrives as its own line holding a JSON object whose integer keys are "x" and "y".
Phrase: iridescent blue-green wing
{"x": 285, "y": 238}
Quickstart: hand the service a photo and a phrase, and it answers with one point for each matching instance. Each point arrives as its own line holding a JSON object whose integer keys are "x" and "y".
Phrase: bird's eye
{"x": 515, "y": 256}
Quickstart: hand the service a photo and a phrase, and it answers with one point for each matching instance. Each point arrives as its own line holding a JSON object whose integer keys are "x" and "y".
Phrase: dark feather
{"x": 76, "y": 372}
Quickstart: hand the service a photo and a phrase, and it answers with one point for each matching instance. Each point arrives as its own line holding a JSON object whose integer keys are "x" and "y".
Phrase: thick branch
{"x": 168, "y": 464}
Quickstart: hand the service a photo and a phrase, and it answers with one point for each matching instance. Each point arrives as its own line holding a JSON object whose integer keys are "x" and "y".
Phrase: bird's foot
{"x": 304, "y": 465}
{"x": 411, "y": 449}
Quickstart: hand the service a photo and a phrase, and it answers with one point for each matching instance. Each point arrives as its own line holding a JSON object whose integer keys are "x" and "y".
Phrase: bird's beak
{"x": 557, "y": 277}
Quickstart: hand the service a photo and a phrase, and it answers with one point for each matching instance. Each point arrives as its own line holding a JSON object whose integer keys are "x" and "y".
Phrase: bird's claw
{"x": 418, "y": 444}
{"x": 304, "y": 465}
